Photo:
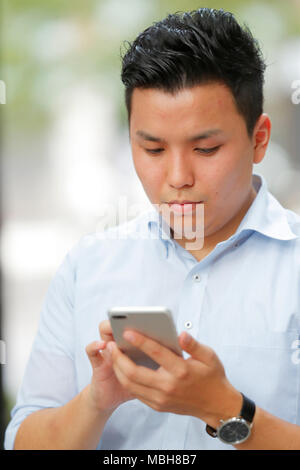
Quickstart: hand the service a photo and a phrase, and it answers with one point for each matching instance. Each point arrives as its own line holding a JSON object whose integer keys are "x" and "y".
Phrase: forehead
{"x": 202, "y": 105}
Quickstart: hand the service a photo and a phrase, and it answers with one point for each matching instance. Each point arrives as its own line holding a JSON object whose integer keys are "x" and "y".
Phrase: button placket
{"x": 190, "y": 304}
{"x": 188, "y": 324}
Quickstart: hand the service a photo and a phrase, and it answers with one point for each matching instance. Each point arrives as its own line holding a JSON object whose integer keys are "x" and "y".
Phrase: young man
{"x": 194, "y": 96}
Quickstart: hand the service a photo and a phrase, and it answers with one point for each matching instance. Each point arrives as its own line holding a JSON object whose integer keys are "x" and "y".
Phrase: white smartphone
{"x": 155, "y": 322}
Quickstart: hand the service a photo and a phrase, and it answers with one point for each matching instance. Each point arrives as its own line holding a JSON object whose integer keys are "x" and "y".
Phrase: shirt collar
{"x": 265, "y": 215}
{"x": 158, "y": 227}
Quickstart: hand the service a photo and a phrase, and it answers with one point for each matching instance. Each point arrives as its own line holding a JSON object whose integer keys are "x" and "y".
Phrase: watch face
{"x": 234, "y": 431}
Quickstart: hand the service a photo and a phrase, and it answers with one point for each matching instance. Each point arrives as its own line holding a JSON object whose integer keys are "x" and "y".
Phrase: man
{"x": 193, "y": 86}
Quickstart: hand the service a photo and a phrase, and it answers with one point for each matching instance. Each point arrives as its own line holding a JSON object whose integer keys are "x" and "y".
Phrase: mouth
{"x": 185, "y": 207}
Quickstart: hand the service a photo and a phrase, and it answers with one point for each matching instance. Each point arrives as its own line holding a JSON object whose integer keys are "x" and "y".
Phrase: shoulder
{"x": 103, "y": 240}
{"x": 294, "y": 222}
{"x": 294, "y": 245}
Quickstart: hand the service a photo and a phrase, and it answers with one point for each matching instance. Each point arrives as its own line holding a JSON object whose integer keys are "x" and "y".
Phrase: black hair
{"x": 186, "y": 49}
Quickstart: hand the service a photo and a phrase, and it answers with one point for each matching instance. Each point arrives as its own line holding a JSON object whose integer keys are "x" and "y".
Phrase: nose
{"x": 179, "y": 171}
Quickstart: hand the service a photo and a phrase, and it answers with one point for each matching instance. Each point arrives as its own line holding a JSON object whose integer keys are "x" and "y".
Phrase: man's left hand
{"x": 196, "y": 386}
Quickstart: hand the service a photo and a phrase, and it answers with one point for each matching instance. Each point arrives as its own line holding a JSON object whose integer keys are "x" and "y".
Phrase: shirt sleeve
{"x": 49, "y": 379}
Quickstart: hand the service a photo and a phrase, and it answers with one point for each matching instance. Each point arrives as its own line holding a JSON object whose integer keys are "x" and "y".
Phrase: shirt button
{"x": 197, "y": 278}
{"x": 188, "y": 324}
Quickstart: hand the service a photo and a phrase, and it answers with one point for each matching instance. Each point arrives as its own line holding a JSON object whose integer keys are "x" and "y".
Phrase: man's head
{"x": 194, "y": 74}
{"x": 193, "y": 48}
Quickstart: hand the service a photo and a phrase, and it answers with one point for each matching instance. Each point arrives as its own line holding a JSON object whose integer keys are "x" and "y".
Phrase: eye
{"x": 153, "y": 151}
{"x": 208, "y": 151}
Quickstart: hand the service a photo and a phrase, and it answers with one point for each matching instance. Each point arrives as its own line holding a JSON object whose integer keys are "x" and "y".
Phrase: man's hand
{"x": 105, "y": 391}
{"x": 196, "y": 386}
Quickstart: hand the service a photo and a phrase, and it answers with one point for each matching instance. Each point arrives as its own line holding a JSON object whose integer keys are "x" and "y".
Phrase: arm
{"x": 50, "y": 413}
{"x": 268, "y": 431}
{"x": 75, "y": 425}
{"x": 272, "y": 433}
{"x": 197, "y": 387}
{"x": 80, "y": 422}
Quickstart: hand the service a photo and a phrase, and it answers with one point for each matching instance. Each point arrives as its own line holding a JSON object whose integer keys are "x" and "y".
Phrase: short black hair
{"x": 191, "y": 48}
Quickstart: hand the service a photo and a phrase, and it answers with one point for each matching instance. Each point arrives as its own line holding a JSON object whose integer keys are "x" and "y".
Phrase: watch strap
{"x": 247, "y": 413}
{"x": 211, "y": 431}
{"x": 248, "y": 409}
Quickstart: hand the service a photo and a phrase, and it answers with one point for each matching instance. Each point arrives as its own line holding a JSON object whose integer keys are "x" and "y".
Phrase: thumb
{"x": 93, "y": 352}
{"x": 197, "y": 350}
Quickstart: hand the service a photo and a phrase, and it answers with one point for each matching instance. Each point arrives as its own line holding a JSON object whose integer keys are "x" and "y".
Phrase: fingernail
{"x": 129, "y": 336}
{"x": 186, "y": 338}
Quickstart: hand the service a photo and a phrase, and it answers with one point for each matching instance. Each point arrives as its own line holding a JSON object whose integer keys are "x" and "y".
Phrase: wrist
{"x": 90, "y": 404}
{"x": 236, "y": 429}
{"x": 229, "y": 406}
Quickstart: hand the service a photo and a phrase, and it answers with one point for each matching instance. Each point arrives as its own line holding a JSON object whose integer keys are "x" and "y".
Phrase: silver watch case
{"x": 234, "y": 431}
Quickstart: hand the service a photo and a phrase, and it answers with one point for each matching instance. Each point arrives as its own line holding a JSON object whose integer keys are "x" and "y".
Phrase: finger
{"x": 169, "y": 360}
{"x": 199, "y": 351}
{"x": 147, "y": 395}
{"x": 155, "y": 380}
{"x": 105, "y": 331}
{"x": 93, "y": 352}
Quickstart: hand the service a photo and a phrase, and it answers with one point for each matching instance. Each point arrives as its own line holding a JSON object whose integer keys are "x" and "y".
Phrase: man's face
{"x": 215, "y": 169}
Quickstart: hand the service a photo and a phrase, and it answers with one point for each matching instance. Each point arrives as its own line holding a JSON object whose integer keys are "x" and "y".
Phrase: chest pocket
{"x": 266, "y": 366}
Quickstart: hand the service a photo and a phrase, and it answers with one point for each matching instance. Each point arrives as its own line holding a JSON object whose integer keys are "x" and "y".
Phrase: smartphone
{"x": 155, "y": 322}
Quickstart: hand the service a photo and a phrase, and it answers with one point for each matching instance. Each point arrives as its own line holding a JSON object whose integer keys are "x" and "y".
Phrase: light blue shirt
{"x": 242, "y": 299}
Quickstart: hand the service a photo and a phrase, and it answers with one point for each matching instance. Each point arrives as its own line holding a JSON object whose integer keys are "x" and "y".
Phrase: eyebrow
{"x": 211, "y": 132}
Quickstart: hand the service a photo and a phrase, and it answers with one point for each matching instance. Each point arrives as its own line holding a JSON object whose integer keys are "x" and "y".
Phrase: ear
{"x": 261, "y": 137}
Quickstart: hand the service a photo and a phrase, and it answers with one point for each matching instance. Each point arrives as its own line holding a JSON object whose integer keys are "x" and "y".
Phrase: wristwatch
{"x": 235, "y": 430}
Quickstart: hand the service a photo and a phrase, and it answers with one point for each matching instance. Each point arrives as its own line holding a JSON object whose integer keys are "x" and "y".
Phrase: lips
{"x": 175, "y": 201}
{"x": 183, "y": 207}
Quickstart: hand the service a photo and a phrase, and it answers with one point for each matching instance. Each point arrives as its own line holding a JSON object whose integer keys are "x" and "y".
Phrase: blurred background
{"x": 64, "y": 136}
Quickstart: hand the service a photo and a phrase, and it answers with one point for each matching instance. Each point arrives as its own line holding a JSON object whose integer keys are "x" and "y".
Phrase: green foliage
{"x": 49, "y": 46}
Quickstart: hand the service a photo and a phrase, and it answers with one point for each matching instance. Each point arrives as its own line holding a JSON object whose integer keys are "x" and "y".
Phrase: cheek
{"x": 141, "y": 167}
{"x": 149, "y": 173}
{"x": 151, "y": 182}
{"x": 225, "y": 176}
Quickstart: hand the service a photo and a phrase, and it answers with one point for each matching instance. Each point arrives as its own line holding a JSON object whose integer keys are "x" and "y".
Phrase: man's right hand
{"x": 105, "y": 391}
